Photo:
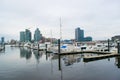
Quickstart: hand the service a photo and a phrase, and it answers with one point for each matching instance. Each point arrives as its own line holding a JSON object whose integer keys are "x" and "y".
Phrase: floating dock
{"x": 103, "y": 55}
{"x": 93, "y": 58}
{"x": 80, "y": 52}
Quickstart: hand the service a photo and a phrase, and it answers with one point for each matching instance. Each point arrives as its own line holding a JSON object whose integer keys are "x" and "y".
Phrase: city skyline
{"x": 37, "y": 35}
{"x": 25, "y": 36}
{"x": 79, "y": 34}
{"x": 99, "y": 18}
{"x": 80, "y": 37}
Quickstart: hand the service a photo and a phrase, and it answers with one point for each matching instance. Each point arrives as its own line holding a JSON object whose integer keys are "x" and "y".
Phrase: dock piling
{"x": 46, "y": 47}
{"x": 118, "y": 47}
{"x": 59, "y": 46}
{"x": 38, "y": 46}
{"x": 59, "y": 61}
{"x": 108, "y": 45}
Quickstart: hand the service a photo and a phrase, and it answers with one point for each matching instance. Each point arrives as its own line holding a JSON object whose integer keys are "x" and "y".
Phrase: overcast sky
{"x": 98, "y": 18}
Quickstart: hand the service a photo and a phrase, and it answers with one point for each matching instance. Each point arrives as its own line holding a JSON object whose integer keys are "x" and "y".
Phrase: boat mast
{"x": 60, "y": 29}
{"x": 51, "y": 37}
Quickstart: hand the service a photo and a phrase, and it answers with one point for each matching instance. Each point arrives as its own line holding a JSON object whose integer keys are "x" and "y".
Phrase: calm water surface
{"x": 25, "y": 64}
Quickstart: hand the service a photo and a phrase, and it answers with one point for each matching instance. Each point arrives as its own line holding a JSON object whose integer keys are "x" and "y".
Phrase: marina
{"x": 19, "y": 63}
{"x": 104, "y": 50}
{"x": 59, "y": 40}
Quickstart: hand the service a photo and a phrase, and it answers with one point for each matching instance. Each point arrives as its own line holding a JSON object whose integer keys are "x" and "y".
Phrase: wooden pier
{"x": 88, "y": 58}
{"x": 80, "y": 52}
{"x": 94, "y": 58}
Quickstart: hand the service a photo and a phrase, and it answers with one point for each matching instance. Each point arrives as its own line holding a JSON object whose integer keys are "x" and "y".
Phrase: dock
{"x": 80, "y": 52}
{"x": 89, "y": 58}
{"x": 93, "y": 58}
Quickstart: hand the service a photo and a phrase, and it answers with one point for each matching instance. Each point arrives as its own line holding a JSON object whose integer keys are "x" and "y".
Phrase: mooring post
{"x": 46, "y": 55}
{"x": 118, "y": 47}
{"x": 38, "y": 46}
{"x": 4, "y": 46}
{"x": 59, "y": 46}
{"x": 59, "y": 58}
{"x": 59, "y": 61}
{"x": 46, "y": 47}
{"x": 108, "y": 45}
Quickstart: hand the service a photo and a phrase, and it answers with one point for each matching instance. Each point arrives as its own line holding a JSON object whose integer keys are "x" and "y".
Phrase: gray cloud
{"x": 99, "y": 18}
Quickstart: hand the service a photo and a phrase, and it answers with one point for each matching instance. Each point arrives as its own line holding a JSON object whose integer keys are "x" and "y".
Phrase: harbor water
{"x": 26, "y": 64}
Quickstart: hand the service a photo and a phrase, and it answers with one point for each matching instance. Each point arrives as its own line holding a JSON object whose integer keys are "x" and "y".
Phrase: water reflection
{"x": 117, "y": 62}
{"x": 25, "y": 53}
{"x": 38, "y": 55}
{"x": 70, "y": 67}
{"x": 70, "y": 59}
{"x": 2, "y": 52}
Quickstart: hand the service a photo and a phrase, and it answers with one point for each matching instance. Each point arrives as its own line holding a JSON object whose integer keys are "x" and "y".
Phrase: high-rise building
{"x": 37, "y": 35}
{"x": 88, "y": 38}
{"x": 2, "y": 39}
{"x": 22, "y": 36}
{"x": 27, "y": 35}
{"x": 79, "y": 34}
